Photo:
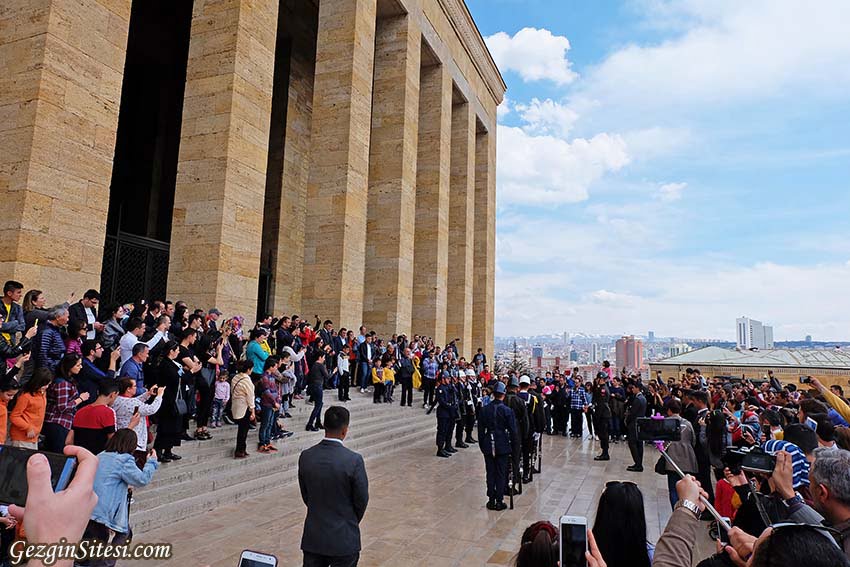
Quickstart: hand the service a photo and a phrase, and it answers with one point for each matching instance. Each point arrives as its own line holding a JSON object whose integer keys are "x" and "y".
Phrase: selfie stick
{"x": 720, "y": 519}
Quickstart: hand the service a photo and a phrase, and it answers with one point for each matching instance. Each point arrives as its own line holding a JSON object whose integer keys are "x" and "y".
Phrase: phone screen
{"x": 573, "y": 544}
{"x": 13, "y": 472}
{"x": 667, "y": 429}
{"x": 255, "y": 559}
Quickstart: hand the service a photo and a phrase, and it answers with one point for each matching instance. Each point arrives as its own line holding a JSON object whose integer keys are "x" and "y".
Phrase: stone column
{"x": 461, "y": 228}
{"x": 388, "y": 300}
{"x": 61, "y": 69}
{"x": 484, "y": 263}
{"x": 221, "y": 170}
{"x": 335, "y": 240}
{"x": 431, "y": 248}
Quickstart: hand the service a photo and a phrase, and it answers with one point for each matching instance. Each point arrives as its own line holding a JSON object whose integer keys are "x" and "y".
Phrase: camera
{"x": 667, "y": 429}
{"x": 752, "y": 460}
{"x": 805, "y": 379}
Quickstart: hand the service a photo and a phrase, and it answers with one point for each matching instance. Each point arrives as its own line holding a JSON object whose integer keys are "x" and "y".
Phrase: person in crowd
{"x": 257, "y": 352}
{"x": 681, "y": 451}
{"x": 315, "y": 380}
{"x": 134, "y": 368}
{"x": 94, "y": 424}
{"x": 389, "y": 379}
{"x": 365, "y": 357}
{"x": 620, "y": 526}
{"x": 343, "y": 366}
{"x": 76, "y": 333}
{"x": 27, "y": 416}
{"x": 602, "y": 414}
{"x": 210, "y": 353}
{"x": 135, "y": 330}
{"x": 128, "y": 404}
{"x": 497, "y": 437}
{"x": 113, "y": 328}
{"x": 63, "y": 399}
{"x": 9, "y": 388}
{"x": 9, "y": 350}
{"x": 49, "y": 341}
{"x": 269, "y": 405}
{"x": 91, "y": 376}
{"x": 116, "y": 473}
{"x": 11, "y": 314}
{"x": 447, "y": 411}
{"x": 169, "y": 433}
{"x": 34, "y": 307}
{"x": 335, "y": 488}
{"x": 242, "y": 405}
{"x": 636, "y": 408}
{"x": 404, "y": 370}
{"x": 377, "y": 380}
{"x": 523, "y": 425}
{"x": 220, "y": 398}
{"x": 830, "y": 490}
{"x": 85, "y": 310}
{"x": 429, "y": 379}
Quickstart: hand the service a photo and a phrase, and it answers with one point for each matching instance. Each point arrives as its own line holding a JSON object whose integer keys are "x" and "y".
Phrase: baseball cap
{"x": 214, "y": 311}
{"x": 524, "y": 379}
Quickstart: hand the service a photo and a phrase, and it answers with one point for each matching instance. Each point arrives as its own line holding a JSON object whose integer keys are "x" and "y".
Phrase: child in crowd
{"x": 27, "y": 417}
{"x": 389, "y": 381}
{"x": 8, "y": 390}
{"x": 222, "y": 396}
{"x": 378, "y": 381}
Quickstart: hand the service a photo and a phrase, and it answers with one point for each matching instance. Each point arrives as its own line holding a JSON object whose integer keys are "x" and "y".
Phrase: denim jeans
{"x": 365, "y": 375}
{"x": 217, "y": 410}
{"x": 317, "y": 393}
{"x": 266, "y": 426}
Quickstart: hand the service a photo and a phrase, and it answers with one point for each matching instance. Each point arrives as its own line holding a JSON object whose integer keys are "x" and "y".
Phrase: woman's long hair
{"x": 542, "y": 551}
{"x": 620, "y": 527}
{"x": 124, "y": 441}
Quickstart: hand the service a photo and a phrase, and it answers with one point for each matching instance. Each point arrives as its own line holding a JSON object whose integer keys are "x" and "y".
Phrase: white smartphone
{"x": 255, "y": 559}
{"x": 573, "y": 541}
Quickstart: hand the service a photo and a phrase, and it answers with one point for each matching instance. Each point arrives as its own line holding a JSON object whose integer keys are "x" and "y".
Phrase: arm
{"x": 151, "y": 408}
{"x": 131, "y": 474}
{"x": 153, "y": 340}
{"x": 17, "y": 416}
{"x": 675, "y": 548}
{"x": 360, "y": 488}
{"x": 301, "y": 485}
{"x": 837, "y": 403}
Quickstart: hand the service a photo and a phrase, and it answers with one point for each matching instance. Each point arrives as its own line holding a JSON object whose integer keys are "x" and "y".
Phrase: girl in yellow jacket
{"x": 378, "y": 381}
{"x": 389, "y": 381}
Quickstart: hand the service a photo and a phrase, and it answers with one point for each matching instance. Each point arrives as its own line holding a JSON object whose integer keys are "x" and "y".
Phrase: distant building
{"x": 679, "y": 348}
{"x": 629, "y": 353}
{"x": 543, "y": 364}
{"x": 651, "y": 336}
{"x": 808, "y": 338}
{"x": 753, "y": 334}
{"x": 537, "y": 352}
{"x": 828, "y": 366}
{"x": 594, "y": 353}
{"x": 574, "y": 356}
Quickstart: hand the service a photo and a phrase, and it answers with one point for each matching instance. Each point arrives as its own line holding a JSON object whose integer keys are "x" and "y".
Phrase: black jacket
{"x": 77, "y": 312}
{"x": 335, "y": 488}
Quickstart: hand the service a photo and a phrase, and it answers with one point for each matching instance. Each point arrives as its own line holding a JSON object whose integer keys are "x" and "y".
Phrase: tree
{"x": 517, "y": 364}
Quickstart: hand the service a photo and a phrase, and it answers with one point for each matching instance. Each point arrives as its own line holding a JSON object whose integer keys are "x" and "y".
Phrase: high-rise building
{"x": 808, "y": 338}
{"x": 651, "y": 336}
{"x": 629, "y": 353}
{"x": 594, "y": 353}
{"x": 574, "y": 356}
{"x": 536, "y": 352}
{"x": 753, "y": 334}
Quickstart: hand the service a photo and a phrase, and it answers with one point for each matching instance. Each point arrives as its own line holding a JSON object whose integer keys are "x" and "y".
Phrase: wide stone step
{"x": 208, "y": 476}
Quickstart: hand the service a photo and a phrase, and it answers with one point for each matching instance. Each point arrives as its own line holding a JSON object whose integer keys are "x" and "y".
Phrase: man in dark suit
{"x": 497, "y": 435}
{"x": 335, "y": 489}
{"x": 404, "y": 376}
{"x": 85, "y": 311}
{"x": 602, "y": 413}
{"x": 636, "y": 408}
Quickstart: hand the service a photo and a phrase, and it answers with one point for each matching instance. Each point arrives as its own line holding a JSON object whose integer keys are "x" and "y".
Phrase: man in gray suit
{"x": 336, "y": 491}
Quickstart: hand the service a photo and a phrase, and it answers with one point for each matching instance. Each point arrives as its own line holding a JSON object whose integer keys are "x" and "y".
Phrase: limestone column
{"x": 335, "y": 240}
{"x": 221, "y": 169}
{"x": 61, "y": 69}
{"x": 484, "y": 263}
{"x": 431, "y": 248}
{"x": 461, "y": 228}
{"x": 388, "y": 300}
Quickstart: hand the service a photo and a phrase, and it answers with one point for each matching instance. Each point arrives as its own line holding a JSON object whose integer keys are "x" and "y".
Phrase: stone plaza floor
{"x": 423, "y": 510}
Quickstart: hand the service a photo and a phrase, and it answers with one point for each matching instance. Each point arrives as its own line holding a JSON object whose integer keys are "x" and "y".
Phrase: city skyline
{"x": 643, "y": 184}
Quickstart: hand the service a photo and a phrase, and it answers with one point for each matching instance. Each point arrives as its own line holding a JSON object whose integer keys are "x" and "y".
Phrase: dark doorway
{"x": 144, "y": 172}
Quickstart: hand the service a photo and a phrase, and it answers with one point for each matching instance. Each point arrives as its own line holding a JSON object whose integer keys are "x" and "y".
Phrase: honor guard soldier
{"x": 523, "y": 426}
{"x": 447, "y": 412}
{"x": 497, "y": 431}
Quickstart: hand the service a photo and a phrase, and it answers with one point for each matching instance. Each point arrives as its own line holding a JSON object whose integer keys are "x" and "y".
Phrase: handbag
{"x": 179, "y": 403}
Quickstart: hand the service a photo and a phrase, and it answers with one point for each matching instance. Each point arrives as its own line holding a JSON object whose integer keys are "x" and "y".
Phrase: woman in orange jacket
{"x": 27, "y": 417}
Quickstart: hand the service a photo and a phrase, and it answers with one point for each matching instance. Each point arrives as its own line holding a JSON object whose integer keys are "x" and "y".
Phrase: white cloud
{"x": 545, "y": 169}
{"x": 535, "y": 54}
{"x": 547, "y": 117}
{"x": 671, "y": 191}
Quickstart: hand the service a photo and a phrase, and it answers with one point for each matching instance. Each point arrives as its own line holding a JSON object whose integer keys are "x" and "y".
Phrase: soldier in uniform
{"x": 464, "y": 409}
{"x": 497, "y": 432}
{"x": 446, "y": 402}
{"x": 534, "y": 409}
{"x": 602, "y": 413}
{"x": 524, "y": 439}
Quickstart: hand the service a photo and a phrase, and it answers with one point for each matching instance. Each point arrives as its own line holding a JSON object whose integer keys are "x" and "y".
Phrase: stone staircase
{"x": 208, "y": 476}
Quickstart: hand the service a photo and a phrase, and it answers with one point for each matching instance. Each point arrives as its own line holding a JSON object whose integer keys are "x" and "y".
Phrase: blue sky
{"x": 672, "y": 166}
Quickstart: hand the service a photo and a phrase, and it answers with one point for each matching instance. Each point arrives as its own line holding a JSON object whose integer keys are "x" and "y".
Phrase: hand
{"x": 8, "y": 522}
{"x": 31, "y": 434}
{"x": 22, "y": 360}
{"x": 748, "y": 438}
{"x": 31, "y": 332}
{"x": 152, "y": 455}
{"x": 740, "y": 548}
{"x": 52, "y": 516}
{"x": 689, "y": 489}
{"x": 594, "y": 557}
{"x": 782, "y": 479}
{"x": 115, "y": 354}
{"x": 84, "y": 396}
{"x": 134, "y": 421}
{"x": 160, "y": 390}
{"x": 739, "y": 479}
{"x": 816, "y": 383}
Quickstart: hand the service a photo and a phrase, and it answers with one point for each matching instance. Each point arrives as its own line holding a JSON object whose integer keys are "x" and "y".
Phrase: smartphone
{"x": 758, "y": 461}
{"x": 667, "y": 429}
{"x": 805, "y": 379}
{"x": 13, "y": 472}
{"x": 573, "y": 541}
{"x": 256, "y": 559}
{"x": 718, "y": 531}
{"x": 135, "y": 410}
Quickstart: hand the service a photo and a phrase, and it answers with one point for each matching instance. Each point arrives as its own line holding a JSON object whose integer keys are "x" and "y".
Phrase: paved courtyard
{"x": 422, "y": 510}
